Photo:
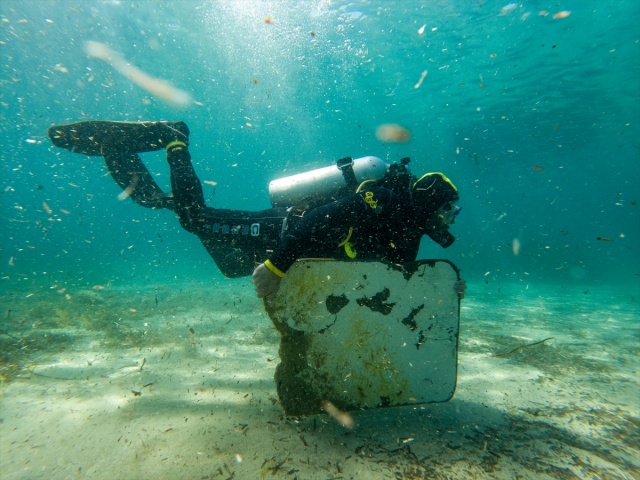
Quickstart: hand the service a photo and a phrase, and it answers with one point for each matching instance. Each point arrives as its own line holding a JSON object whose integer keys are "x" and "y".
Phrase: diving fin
{"x": 93, "y": 137}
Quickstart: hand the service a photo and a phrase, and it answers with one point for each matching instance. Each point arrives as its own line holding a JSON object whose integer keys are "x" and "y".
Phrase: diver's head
{"x": 434, "y": 197}
{"x": 433, "y": 192}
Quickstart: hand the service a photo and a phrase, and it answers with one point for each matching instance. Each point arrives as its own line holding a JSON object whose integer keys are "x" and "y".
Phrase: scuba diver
{"x": 360, "y": 209}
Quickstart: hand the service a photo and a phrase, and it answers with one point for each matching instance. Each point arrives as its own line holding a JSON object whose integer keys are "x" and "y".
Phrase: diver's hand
{"x": 461, "y": 288}
{"x": 265, "y": 281}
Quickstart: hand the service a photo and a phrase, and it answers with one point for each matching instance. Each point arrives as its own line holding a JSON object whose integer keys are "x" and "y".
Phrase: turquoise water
{"x": 535, "y": 119}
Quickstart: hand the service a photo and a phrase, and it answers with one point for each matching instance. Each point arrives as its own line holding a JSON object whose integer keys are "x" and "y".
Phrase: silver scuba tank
{"x": 321, "y": 185}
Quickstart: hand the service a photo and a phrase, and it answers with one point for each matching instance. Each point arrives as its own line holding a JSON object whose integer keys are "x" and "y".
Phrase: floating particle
{"x": 12, "y": 261}
{"x": 421, "y": 29}
{"x": 562, "y": 14}
{"x": 604, "y": 239}
{"x": 543, "y": 13}
{"x": 126, "y": 193}
{"x": 157, "y": 87}
{"x": 268, "y": 20}
{"x": 393, "y": 133}
{"x": 238, "y": 458}
{"x": 98, "y": 287}
{"x": 537, "y": 168}
{"x": 30, "y": 140}
{"x": 46, "y": 208}
{"x": 516, "y": 246}
{"x": 507, "y": 9}
{"x": 211, "y": 182}
{"x": 422, "y": 77}
{"x": 343, "y": 418}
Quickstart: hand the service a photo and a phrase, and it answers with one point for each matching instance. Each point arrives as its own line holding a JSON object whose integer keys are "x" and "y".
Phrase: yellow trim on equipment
{"x": 175, "y": 143}
{"x": 350, "y": 251}
{"x": 363, "y": 184}
{"x": 370, "y": 200}
{"x": 444, "y": 177}
{"x": 348, "y": 246}
{"x": 346, "y": 239}
{"x": 275, "y": 270}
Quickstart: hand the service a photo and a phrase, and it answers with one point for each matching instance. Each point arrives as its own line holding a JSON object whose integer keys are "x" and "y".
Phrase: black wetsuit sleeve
{"x": 322, "y": 229}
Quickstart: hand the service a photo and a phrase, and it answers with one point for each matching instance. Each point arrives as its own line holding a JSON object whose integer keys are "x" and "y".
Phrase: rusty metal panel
{"x": 366, "y": 334}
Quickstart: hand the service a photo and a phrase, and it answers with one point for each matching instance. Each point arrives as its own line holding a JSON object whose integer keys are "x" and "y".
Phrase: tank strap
{"x": 346, "y": 167}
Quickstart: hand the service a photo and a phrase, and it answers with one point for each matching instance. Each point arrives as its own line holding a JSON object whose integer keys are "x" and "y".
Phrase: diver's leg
{"x": 232, "y": 262}
{"x": 132, "y": 176}
{"x": 119, "y": 143}
{"x": 239, "y": 240}
{"x": 187, "y": 191}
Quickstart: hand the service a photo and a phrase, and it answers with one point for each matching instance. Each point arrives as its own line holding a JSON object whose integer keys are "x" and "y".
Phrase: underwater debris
{"x": 507, "y": 9}
{"x": 343, "y": 418}
{"x": 156, "y": 86}
{"x": 516, "y": 246}
{"x": 422, "y": 77}
{"x": 393, "y": 133}
{"x": 126, "y": 193}
{"x": 562, "y": 14}
{"x": 521, "y": 347}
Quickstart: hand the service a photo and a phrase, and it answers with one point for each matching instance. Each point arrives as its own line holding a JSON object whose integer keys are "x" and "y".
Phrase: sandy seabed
{"x": 153, "y": 383}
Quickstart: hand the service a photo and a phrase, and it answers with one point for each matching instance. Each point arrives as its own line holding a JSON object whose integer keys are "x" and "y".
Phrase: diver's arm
{"x": 266, "y": 280}
{"x": 320, "y": 229}
{"x": 323, "y": 227}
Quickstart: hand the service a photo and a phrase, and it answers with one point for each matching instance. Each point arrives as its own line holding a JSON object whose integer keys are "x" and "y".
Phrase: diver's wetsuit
{"x": 373, "y": 224}
{"x": 237, "y": 240}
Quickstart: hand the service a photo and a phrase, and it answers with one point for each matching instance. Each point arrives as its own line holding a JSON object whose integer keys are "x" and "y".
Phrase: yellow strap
{"x": 348, "y": 247}
{"x": 175, "y": 143}
{"x": 350, "y": 251}
{"x": 346, "y": 239}
{"x": 363, "y": 184}
{"x": 273, "y": 268}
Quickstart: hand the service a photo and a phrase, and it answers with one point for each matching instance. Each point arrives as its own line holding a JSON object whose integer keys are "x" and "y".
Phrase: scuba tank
{"x": 320, "y": 186}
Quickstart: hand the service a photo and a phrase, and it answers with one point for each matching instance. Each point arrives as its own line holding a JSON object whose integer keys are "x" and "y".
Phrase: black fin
{"x": 93, "y": 137}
